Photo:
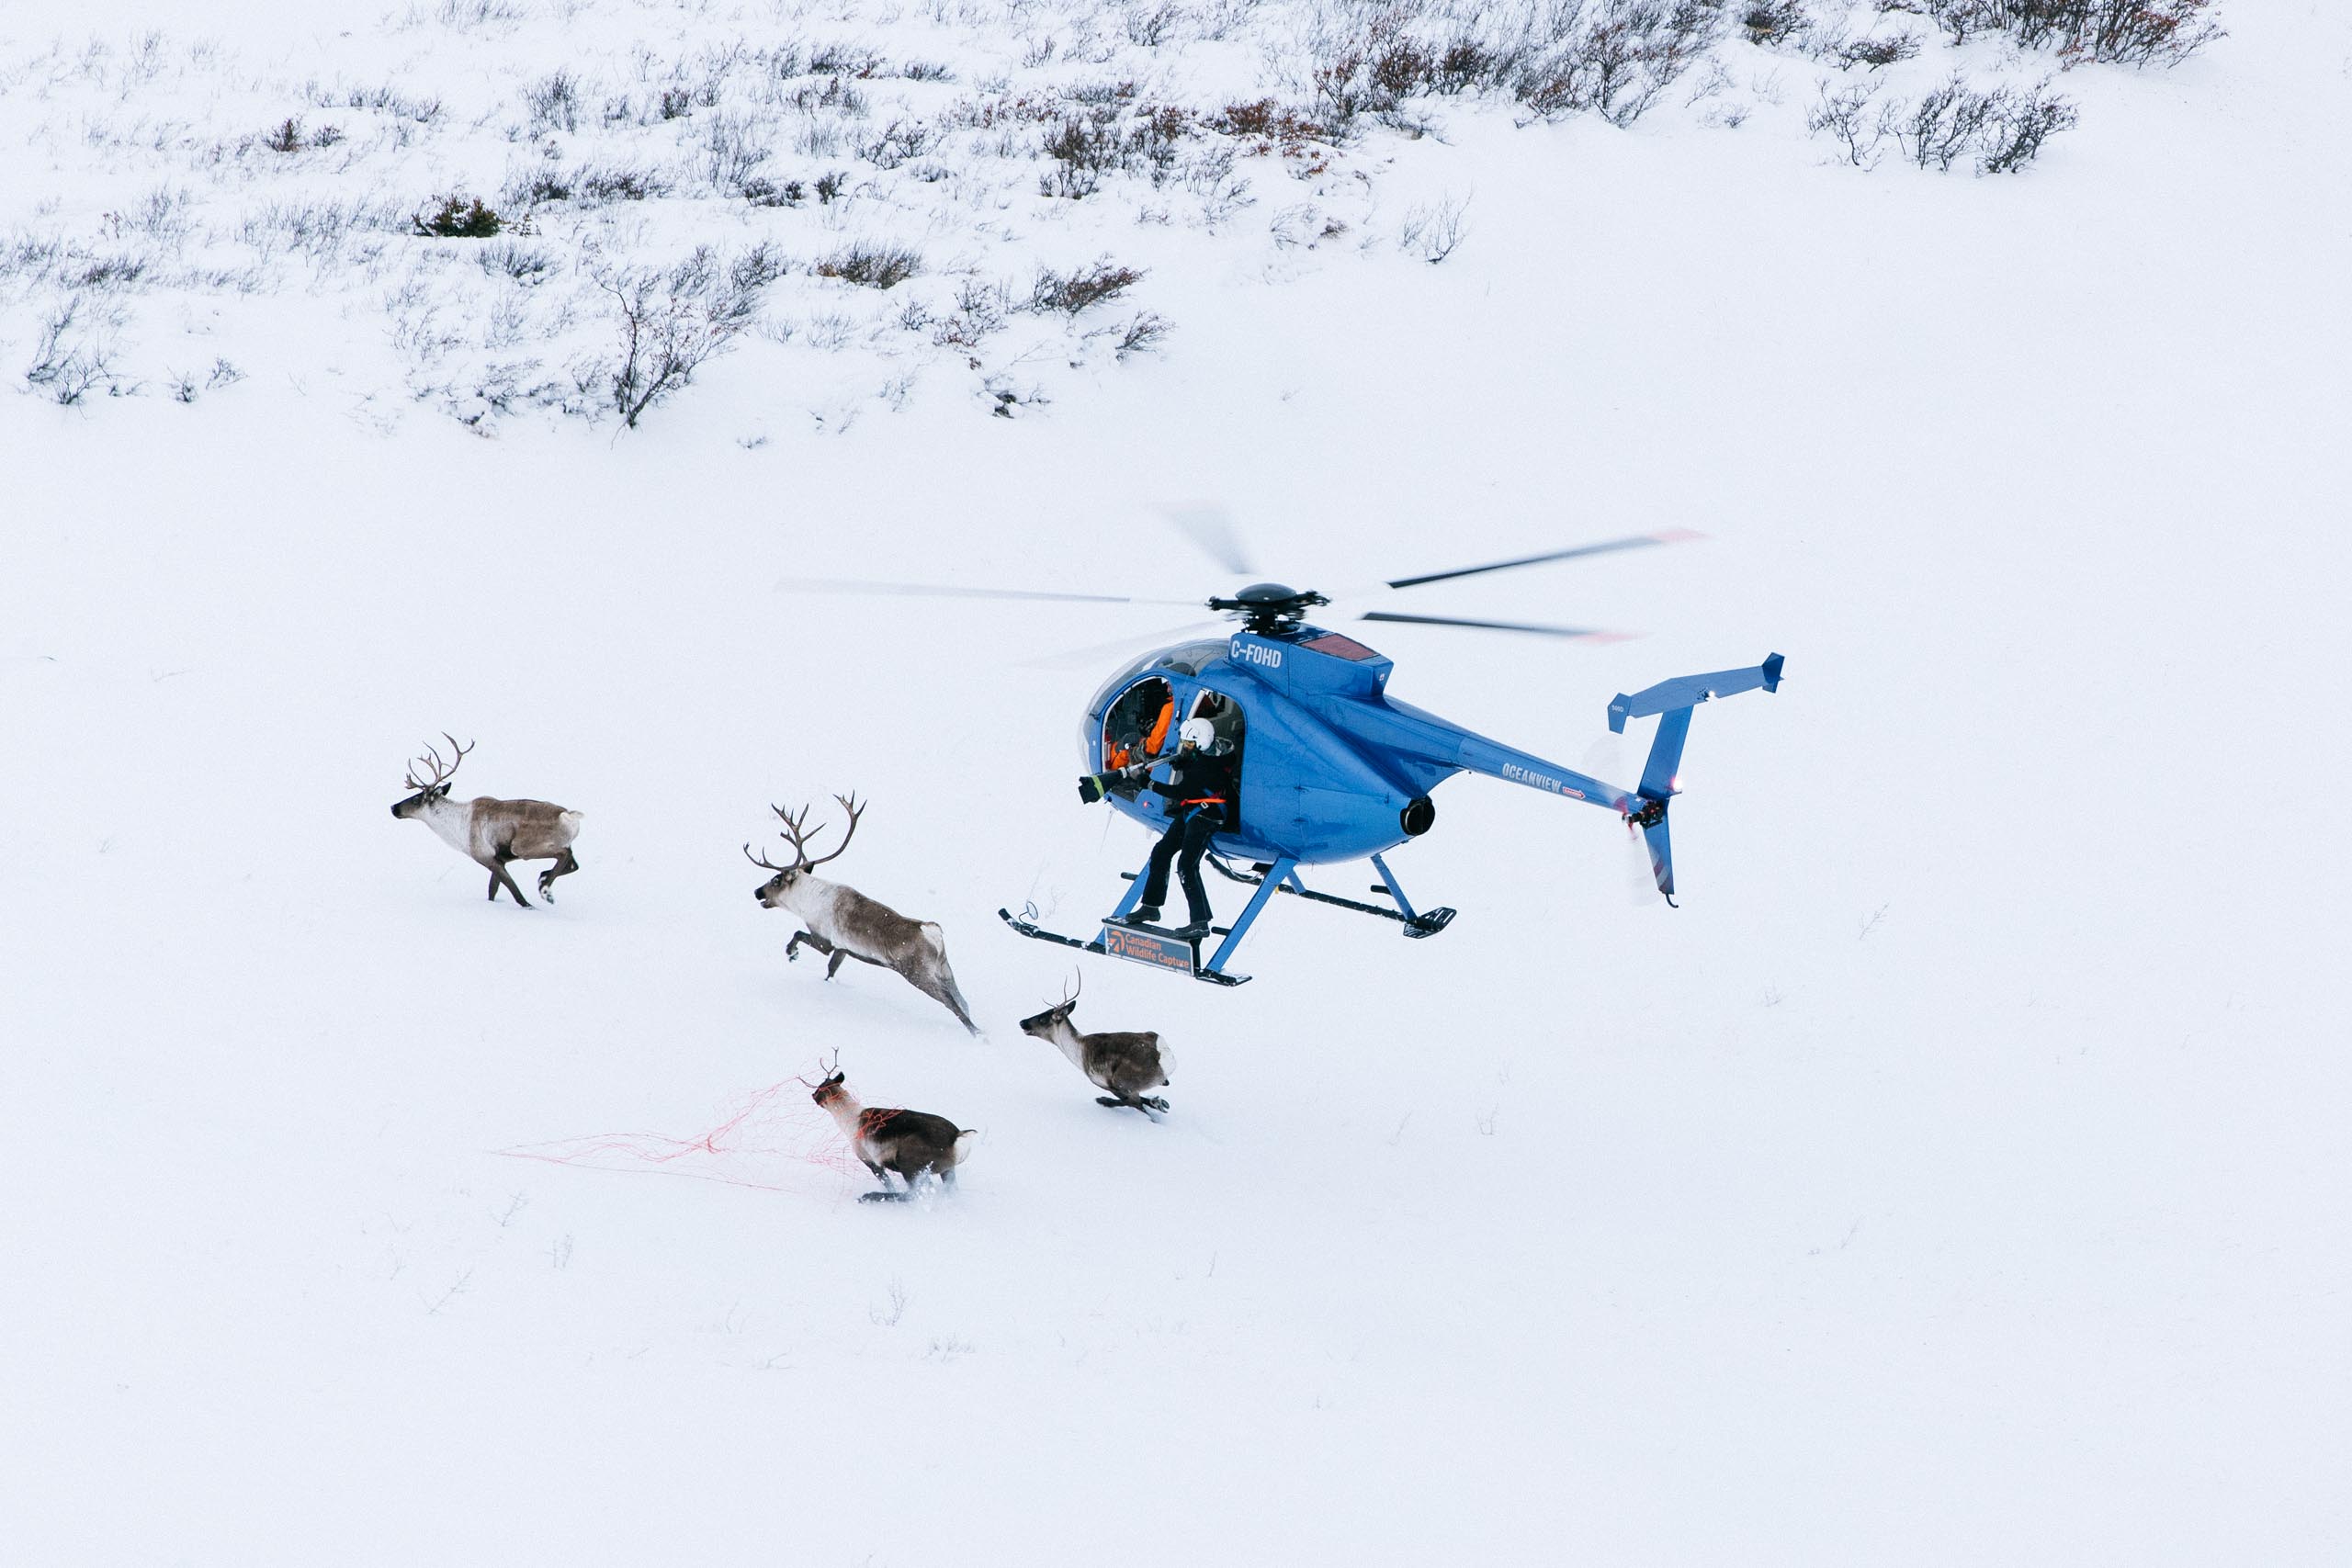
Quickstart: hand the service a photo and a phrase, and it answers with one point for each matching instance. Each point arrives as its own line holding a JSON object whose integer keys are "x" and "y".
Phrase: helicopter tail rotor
{"x": 1672, "y": 702}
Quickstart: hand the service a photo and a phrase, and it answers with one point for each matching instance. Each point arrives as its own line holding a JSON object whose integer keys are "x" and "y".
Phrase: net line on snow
{"x": 764, "y": 1143}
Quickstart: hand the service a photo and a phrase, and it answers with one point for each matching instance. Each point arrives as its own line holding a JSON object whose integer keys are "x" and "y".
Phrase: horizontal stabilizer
{"x": 1687, "y": 691}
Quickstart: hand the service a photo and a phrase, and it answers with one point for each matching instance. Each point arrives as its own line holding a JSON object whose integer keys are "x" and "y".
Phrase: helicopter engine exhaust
{"x": 1417, "y": 818}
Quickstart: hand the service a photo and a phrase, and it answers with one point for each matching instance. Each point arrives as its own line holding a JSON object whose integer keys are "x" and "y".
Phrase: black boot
{"x": 1141, "y": 915}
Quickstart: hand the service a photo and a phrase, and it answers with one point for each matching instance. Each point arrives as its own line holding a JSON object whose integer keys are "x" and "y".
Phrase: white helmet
{"x": 1197, "y": 732}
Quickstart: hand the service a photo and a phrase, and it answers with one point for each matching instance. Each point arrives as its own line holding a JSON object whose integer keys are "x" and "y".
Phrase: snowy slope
{"x": 1958, "y": 1176}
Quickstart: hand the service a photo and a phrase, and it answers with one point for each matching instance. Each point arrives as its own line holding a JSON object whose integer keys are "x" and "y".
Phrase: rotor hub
{"x": 1270, "y": 609}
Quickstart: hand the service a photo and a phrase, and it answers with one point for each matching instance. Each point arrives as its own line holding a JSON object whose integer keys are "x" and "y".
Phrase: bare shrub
{"x": 391, "y": 100}
{"x": 553, "y": 103}
{"x": 925, "y": 70}
{"x": 603, "y": 185}
{"x": 843, "y": 60}
{"x": 74, "y": 353}
{"x": 1616, "y": 59}
{"x": 465, "y": 14}
{"x": 1144, "y": 335}
{"x": 1434, "y": 233}
{"x": 1942, "y": 124}
{"x": 100, "y": 273}
{"x": 761, "y": 191}
{"x": 536, "y": 187}
{"x": 1274, "y": 126}
{"x": 1877, "y": 53}
{"x": 1774, "y": 21}
{"x": 2021, "y": 122}
{"x": 186, "y": 385}
{"x": 673, "y": 320}
{"x": 1082, "y": 148}
{"x": 1221, "y": 192}
{"x": 1846, "y": 117}
{"x": 871, "y": 265}
{"x": 2123, "y": 32}
{"x": 320, "y": 229}
{"x": 735, "y": 150}
{"x": 836, "y": 96}
{"x": 980, "y": 310}
{"x": 1073, "y": 293}
{"x": 517, "y": 264}
{"x": 2002, "y": 131}
{"x": 1149, "y": 22}
{"x": 1351, "y": 74}
{"x": 897, "y": 142}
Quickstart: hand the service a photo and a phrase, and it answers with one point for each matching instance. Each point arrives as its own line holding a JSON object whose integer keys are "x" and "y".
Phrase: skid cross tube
{"x": 1393, "y": 891}
{"x": 1281, "y": 871}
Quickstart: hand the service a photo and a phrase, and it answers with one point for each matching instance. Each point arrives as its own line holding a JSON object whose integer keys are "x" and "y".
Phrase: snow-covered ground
{"x": 1959, "y": 1176}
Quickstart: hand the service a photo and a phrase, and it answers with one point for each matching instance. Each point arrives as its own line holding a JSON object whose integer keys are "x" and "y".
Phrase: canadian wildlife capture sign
{"x": 1147, "y": 947}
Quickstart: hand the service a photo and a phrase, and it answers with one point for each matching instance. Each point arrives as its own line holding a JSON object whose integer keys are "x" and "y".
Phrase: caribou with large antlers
{"x": 1129, "y": 1064}
{"x": 840, "y": 923}
{"x": 490, "y": 832}
{"x": 909, "y": 1143}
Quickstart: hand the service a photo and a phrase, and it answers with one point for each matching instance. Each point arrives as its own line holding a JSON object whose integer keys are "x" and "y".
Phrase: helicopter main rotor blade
{"x": 1587, "y": 634}
{"x": 943, "y": 591}
{"x": 1212, "y": 532}
{"x": 1606, "y": 547}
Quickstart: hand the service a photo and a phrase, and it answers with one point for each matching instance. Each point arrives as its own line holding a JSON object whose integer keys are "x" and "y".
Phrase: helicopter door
{"x": 1224, "y": 715}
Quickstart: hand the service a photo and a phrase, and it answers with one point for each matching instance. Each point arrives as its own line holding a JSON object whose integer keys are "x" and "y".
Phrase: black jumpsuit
{"x": 1204, "y": 795}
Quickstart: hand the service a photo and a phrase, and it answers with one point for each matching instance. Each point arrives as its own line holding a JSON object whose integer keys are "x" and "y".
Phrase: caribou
{"x": 1127, "y": 1064}
{"x": 490, "y": 832}
{"x": 840, "y": 923}
{"x": 908, "y": 1142}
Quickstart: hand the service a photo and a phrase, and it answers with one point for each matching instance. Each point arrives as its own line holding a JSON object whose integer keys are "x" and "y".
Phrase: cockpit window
{"x": 1191, "y": 658}
{"x": 1224, "y": 714}
{"x": 1136, "y": 725}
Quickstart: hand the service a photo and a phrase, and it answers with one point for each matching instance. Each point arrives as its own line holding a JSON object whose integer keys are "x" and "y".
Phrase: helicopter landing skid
{"x": 1141, "y": 944}
{"x": 1423, "y": 923}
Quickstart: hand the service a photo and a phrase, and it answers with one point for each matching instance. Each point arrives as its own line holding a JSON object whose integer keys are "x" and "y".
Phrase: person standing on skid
{"x": 1203, "y": 799}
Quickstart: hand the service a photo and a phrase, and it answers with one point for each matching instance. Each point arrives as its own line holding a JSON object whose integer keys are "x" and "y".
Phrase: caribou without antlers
{"x": 907, "y": 1141}
{"x": 490, "y": 832}
{"x": 840, "y": 923}
{"x": 1127, "y": 1064}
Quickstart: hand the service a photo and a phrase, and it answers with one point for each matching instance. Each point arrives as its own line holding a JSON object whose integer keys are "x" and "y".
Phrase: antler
{"x": 1078, "y": 983}
{"x": 824, "y": 1070}
{"x": 441, "y": 771}
{"x": 796, "y": 834}
{"x": 761, "y": 861}
{"x": 801, "y": 836}
{"x": 849, "y": 803}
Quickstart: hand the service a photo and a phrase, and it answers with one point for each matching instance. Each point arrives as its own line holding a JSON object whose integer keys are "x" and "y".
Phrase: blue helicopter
{"x": 1330, "y": 768}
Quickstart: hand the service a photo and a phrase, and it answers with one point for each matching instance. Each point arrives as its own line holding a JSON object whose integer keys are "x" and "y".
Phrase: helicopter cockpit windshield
{"x": 1137, "y": 726}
